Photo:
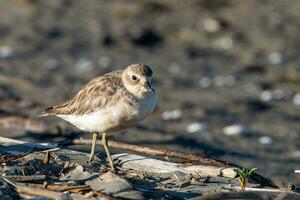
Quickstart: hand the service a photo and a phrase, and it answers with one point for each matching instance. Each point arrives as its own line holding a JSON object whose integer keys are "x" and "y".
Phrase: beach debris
{"x": 196, "y": 127}
{"x": 6, "y": 51}
{"x": 205, "y": 82}
{"x": 296, "y": 99}
{"x": 275, "y": 58}
{"x": 278, "y": 94}
{"x": 171, "y": 114}
{"x": 225, "y": 43}
{"x": 211, "y": 25}
{"x": 236, "y": 129}
{"x": 174, "y": 68}
{"x": 104, "y": 61}
{"x": 76, "y": 174}
{"x": 265, "y": 140}
{"x": 221, "y": 81}
{"x": 84, "y": 64}
{"x": 52, "y": 63}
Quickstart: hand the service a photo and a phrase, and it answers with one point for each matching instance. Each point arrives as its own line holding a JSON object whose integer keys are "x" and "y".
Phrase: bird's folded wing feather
{"x": 95, "y": 95}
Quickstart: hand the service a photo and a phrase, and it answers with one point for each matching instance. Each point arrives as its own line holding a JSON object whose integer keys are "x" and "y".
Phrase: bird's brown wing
{"x": 95, "y": 95}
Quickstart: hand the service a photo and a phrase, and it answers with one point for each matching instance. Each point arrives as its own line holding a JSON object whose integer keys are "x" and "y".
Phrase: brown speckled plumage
{"x": 101, "y": 92}
{"x": 109, "y": 103}
{"x": 98, "y": 93}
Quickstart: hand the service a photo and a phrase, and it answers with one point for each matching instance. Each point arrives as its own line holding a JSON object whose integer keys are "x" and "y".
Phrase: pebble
{"x": 52, "y": 63}
{"x": 221, "y": 81}
{"x": 275, "y": 58}
{"x": 171, "y": 114}
{"x": 6, "y": 51}
{"x": 196, "y": 127}
{"x": 230, "y": 80}
{"x": 296, "y": 154}
{"x": 84, "y": 64}
{"x": 211, "y": 25}
{"x": 174, "y": 68}
{"x": 104, "y": 61}
{"x": 205, "y": 82}
{"x": 265, "y": 140}
{"x": 268, "y": 95}
{"x": 280, "y": 94}
{"x": 235, "y": 129}
{"x": 296, "y": 99}
{"x": 225, "y": 43}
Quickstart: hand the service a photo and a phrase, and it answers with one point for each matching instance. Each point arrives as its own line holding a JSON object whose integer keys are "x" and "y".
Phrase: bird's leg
{"x": 104, "y": 142}
{"x": 95, "y": 136}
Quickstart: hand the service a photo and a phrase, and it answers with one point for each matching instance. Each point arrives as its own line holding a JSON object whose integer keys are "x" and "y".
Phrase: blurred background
{"x": 226, "y": 73}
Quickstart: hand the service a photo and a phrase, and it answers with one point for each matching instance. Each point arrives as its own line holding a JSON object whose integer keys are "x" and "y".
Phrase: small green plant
{"x": 243, "y": 175}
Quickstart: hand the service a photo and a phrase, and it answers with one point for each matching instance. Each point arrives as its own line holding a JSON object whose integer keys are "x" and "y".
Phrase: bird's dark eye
{"x": 133, "y": 77}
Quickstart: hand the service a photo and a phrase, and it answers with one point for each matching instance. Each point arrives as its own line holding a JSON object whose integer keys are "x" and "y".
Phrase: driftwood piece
{"x": 27, "y": 178}
{"x": 40, "y": 192}
{"x": 167, "y": 153}
{"x": 34, "y": 191}
{"x": 150, "y": 165}
{"x": 157, "y": 152}
{"x": 215, "y": 165}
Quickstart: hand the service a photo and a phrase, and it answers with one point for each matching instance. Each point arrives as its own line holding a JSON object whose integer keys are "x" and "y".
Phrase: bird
{"x": 109, "y": 103}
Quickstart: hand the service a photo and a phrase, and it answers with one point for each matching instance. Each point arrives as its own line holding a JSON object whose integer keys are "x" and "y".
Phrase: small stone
{"x": 211, "y": 25}
{"x": 171, "y": 114}
{"x": 196, "y": 127}
{"x": 275, "y": 58}
{"x": 219, "y": 81}
{"x": 76, "y": 174}
{"x": 6, "y": 51}
{"x": 109, "y": 183}
{"x": 235, "y": 129}
{"x": 52, "y": 63}
{"x": 229, "y": 80}
{"x": 225, "y": 43}
{"x": 205, "y": 82}
{"x": 84, "y": 64}
{"x": 265, "y": 140}
{"x": 266, "y": 95}
{"x": 296, "y": 99}
{"x": 280, "y": 94}
{"x": 104, "y": 61}
{"x": 296, "y": 154}
{"x": 174, "y": 68}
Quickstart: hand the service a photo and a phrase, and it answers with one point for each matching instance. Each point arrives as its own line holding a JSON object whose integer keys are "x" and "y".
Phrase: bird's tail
{"x": 49, "y": 111}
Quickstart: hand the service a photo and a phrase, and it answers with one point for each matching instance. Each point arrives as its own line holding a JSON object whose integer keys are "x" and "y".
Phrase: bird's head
{"x": 137, "y": 78}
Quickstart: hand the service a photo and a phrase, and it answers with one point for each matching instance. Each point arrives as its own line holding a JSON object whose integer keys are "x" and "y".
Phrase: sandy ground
{"x": 216, "y": 63}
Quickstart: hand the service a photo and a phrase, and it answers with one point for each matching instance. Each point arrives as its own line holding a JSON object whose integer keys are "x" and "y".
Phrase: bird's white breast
{"x": 98, "y": 121}
{"x": 146, "y": 105}
{"x": 110, "y": 118}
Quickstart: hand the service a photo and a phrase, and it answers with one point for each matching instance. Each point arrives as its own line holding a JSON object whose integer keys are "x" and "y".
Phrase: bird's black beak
{"x": 148, "y": 86}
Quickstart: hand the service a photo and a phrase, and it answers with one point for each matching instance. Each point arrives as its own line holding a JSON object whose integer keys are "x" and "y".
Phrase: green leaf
{"x": 252, "y": 171}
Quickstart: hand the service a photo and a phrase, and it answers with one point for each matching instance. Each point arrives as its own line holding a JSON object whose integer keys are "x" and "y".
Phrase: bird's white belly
{"x": 99, "y": 121}
{"x": 114, "y": 117}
